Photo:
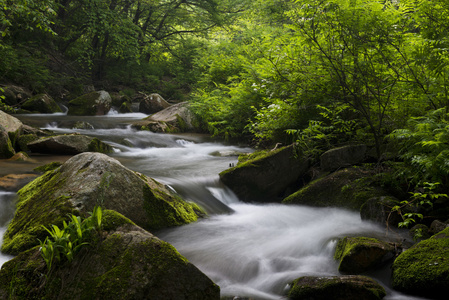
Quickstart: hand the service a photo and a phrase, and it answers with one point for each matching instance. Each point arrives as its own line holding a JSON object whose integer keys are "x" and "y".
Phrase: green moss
{"x": 98, "y": 146}
{"x": 36, "y": 206}
{"x": 23, "y": 140}
{"x": 424, "y": 268}
{"x": 166, "y": 210}
{"x": 112, "y": 220}
{"x": 48, "y": 167}
{"x": 182, "y": 125}
{"x": 83, "y": 105}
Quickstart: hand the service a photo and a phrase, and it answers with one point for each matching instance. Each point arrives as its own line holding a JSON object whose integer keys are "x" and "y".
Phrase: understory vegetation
{"x": 321, "y": 73}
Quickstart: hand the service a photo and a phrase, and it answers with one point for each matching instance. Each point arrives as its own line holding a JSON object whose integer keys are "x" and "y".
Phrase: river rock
{"x": 378, "y": 209}
{"x": 127, "y": 263}
{"x": 348, "y": 188}
{"x": 336, "y": 288}
{"x": 81, "y": 183}
{"x": 152, "y": 104}
{"x": 15, "y": 94}
{"x": 94, "y": 103}
{"x": 68, "y": 144}
{"x": 6, "y": 148}
{"x": 266, "y": 178}
{"x": 359, "y": 254}
{"x": 423, "y": 270}
{"x": 41, "y": 103}
{"x": 176, "y": 118}
{"x": 342, "y": 157}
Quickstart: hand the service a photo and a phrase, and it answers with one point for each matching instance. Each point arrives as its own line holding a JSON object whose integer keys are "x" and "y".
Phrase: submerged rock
{"x": 81, "y": 183}
{"x": 126, "y": 262}
{"x": 336, "y": 288}
{"x": 68, "y": 144}
{"x": 94, "y": 103}
{"x": 360, "y": 254}
{"x": 266, "y": 178}
{"x": 423, "y": 269}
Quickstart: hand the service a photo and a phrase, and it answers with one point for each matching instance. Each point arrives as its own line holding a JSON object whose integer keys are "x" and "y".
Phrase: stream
{"x": 249, "y": 250}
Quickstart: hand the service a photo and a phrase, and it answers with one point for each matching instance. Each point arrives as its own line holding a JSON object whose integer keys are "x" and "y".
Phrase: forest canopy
{"x": 322, "y": 73}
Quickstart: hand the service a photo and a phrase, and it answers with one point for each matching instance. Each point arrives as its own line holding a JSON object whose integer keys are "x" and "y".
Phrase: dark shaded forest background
{"x": 321, "y": 73}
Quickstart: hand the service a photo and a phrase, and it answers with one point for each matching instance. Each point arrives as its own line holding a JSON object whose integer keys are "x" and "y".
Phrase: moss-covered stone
{"x": 6, "y": 148}
{"x": 336, "y": 288}
{"x": 126, "y": 263}
{"x": 68, "y": 144}
{"x": 94, "y": 103}
{"x": 98, "y": 146}
{"x": 83, "y": 182}
{"x": 48, "y": 167}
{"x": 24, "y": 139}
{"x": 41, "y": 103}
{"x": 267, "y": 177}
{"x": 424, "y": 269}
{"x": 348, "y": 188}
{"x": 360, "y": 254}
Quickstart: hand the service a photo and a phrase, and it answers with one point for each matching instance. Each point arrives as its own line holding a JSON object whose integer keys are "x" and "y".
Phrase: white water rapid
{"x": 248, "y": 250}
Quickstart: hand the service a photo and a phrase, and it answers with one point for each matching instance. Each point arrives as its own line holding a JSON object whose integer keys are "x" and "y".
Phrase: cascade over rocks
{"x": 127, "y": 263}
{"x": 336, "y": 288}
{"x": 266, "y": 178}
{"x": 94, "y": 103}
{"x": 81, "y": 183}
{"x": 68, "y": 144}
{"x": 423, "y": 269}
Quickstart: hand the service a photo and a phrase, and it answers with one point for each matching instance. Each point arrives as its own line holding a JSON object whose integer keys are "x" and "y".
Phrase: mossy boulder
{"x": 68, "y": 144}
{"x": 41, "y": 103}
{"x": 342, "y": 157}
{"x": 94, "y": 103}
{"x": 267, "y": 177}
{"x": 378, "y": 209}
{"x": 175, "y": 118}
{"x": 126, "y": 262}
{"x": 347, "y": 188}
{"x": 81, "y": 183}
{"x": 152, "y": 104}
{"x": 6, "y": 148}
{"x": 360, "y": 254}
{"x": 423, "y": 269}
{"x": 336, "y": 288}
{"x": 12, "y": 126}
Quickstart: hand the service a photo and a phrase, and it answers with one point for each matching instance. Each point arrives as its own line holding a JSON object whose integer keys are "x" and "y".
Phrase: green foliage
{"x": 64, "y": 243}
{"x": 424, "y": 147}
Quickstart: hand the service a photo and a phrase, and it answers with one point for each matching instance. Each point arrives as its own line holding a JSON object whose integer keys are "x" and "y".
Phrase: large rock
{"x": 152, "y": 104}
{"x": 81, "y": 183}
{"x": 6, "y": 148}
{"x": 348, "y": 188}
{"x": 176, "y": 118}
{"x": 10, "y": 123}
{"x": 15, "y": 94}
{"x": 266, "y": 178}
{"x": 342, "y": 157}
{"x": 336, "y": 288}
{"x": 378, "y": 209}
{"x": 94, "y": 103}
{"x": 68, "y": 144}
{"x": 127, "y": 263}
{"x": 41, "y": 103}
{"x": 360, "y": 254}
{"x": 423, "y": 269}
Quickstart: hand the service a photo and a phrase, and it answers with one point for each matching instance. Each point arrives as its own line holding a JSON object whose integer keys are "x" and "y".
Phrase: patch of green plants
{"x": 63, "y": 243}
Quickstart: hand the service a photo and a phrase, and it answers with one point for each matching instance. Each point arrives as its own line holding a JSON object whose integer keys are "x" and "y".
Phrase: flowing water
{"x": 248, "y": 250}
